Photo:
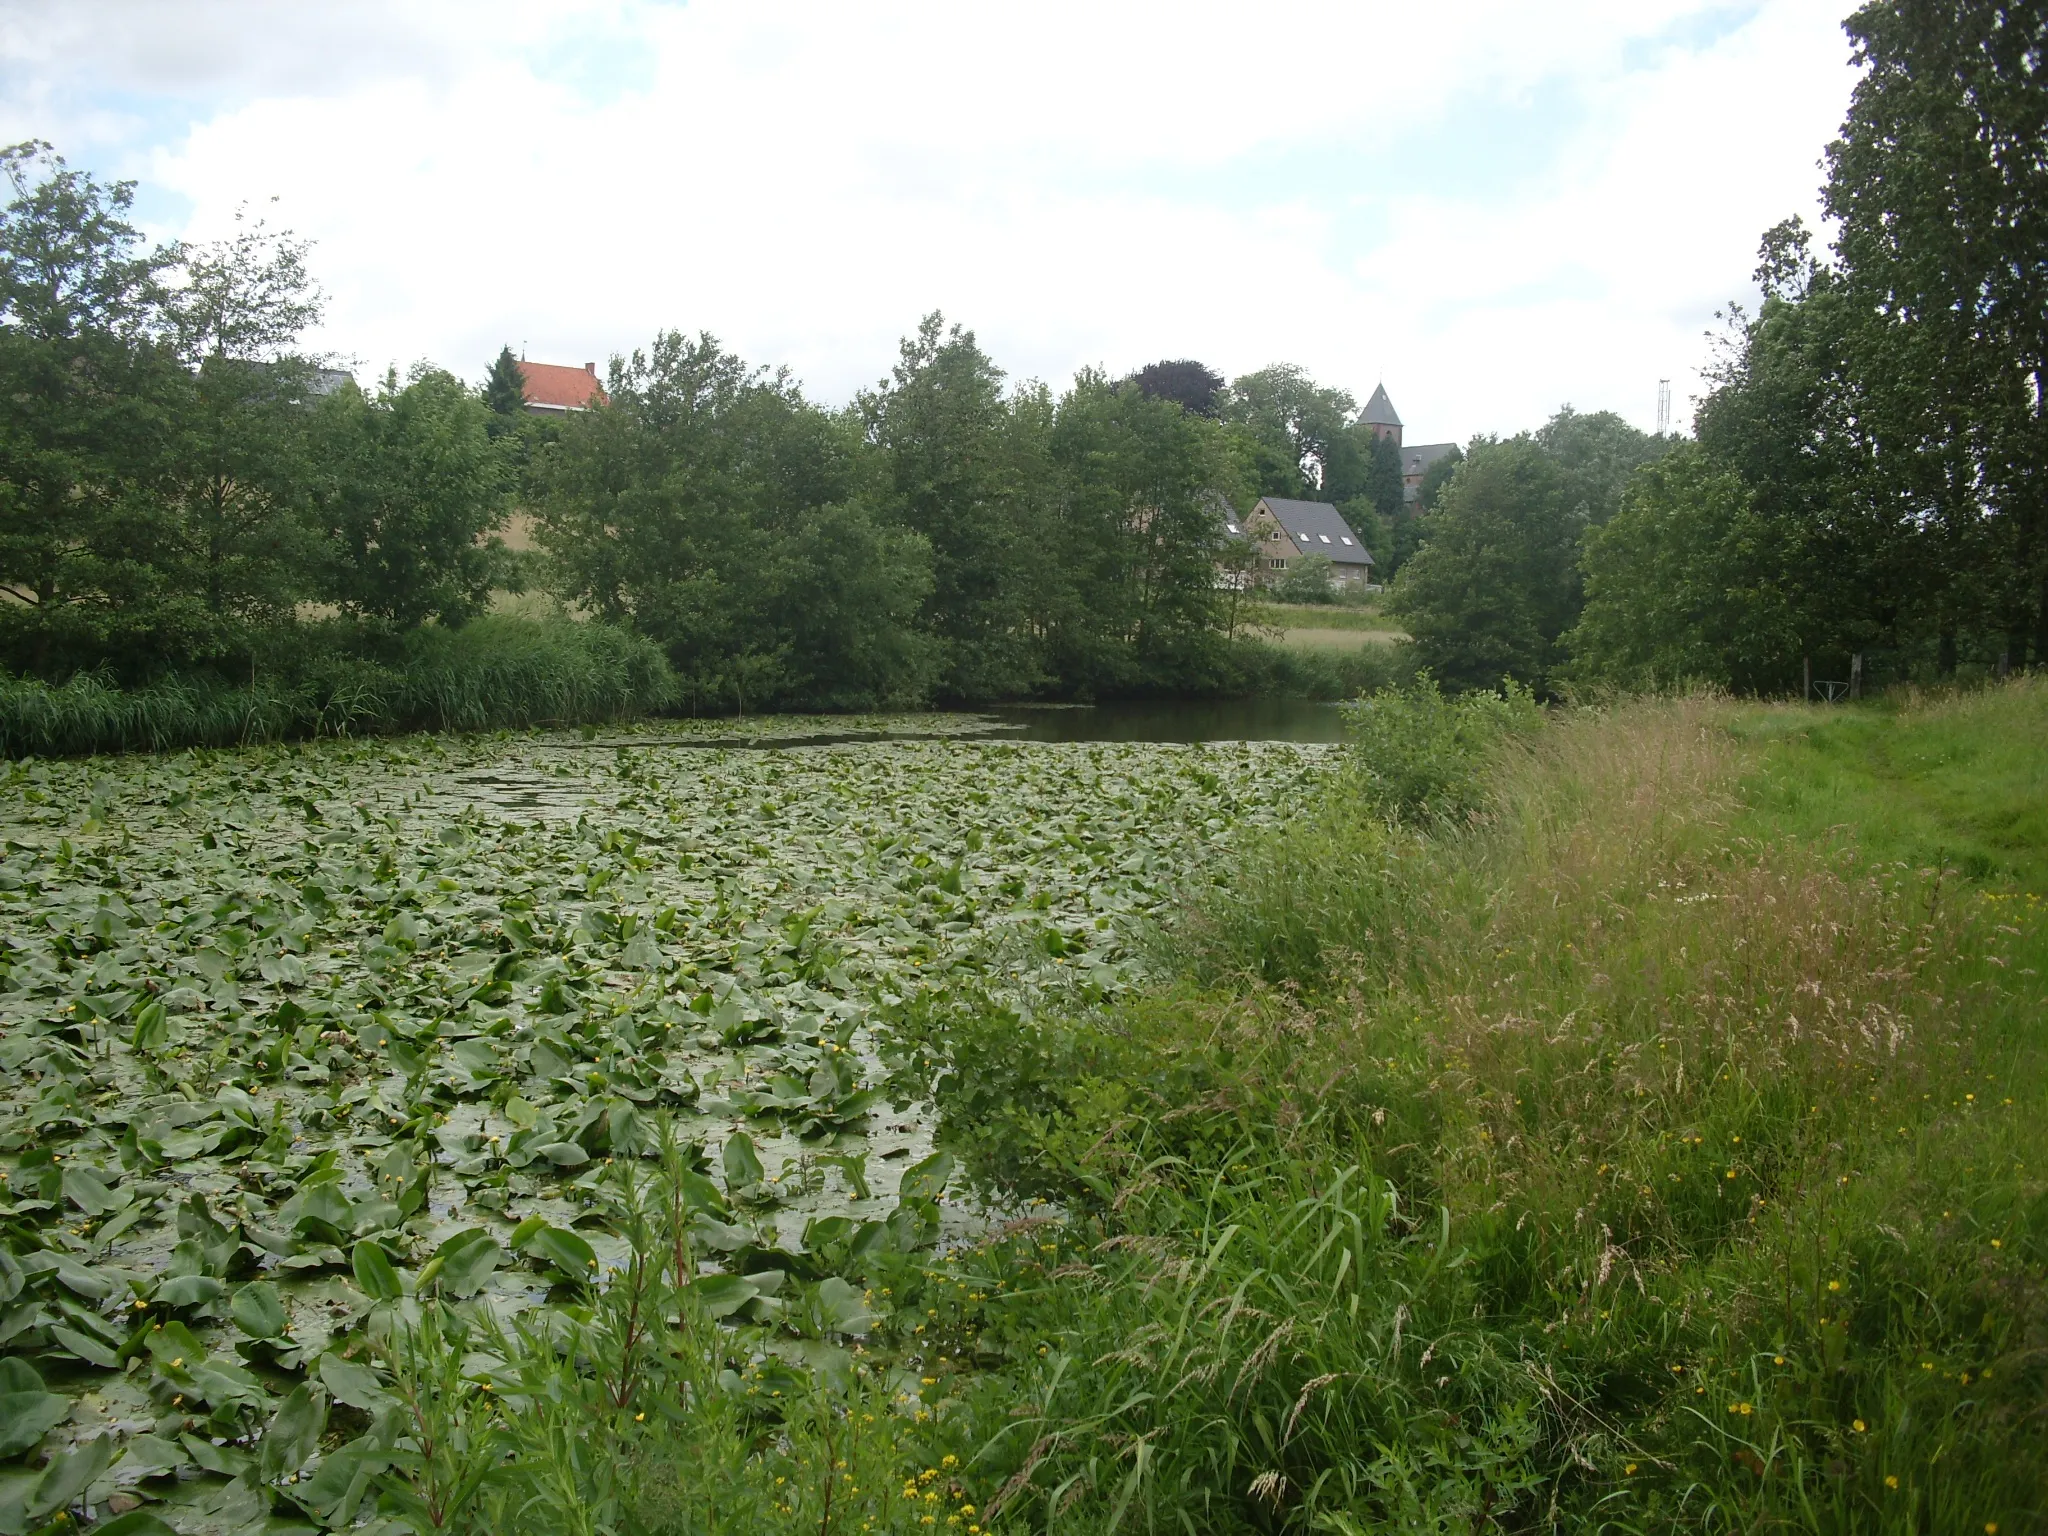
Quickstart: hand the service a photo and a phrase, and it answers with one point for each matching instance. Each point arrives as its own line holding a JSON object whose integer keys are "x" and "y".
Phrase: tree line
{"x": 1865, "y": 497}
{"x": 184, "y": 487}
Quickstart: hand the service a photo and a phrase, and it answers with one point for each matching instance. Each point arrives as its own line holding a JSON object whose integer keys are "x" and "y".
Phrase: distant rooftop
{"x": 558, "y": 387}
{"x": 1379, "y": 410}
{"x": 1415, "y": 463}
{"x": 1318, "y": 528}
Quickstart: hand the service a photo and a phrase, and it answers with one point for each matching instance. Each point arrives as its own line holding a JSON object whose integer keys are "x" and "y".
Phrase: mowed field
{"x": 1327, "y": 626}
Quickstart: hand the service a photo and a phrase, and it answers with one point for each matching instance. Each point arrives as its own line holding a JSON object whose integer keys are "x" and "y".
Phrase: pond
{"x": 1185, "y": 721}
{"x": 290, "y": 1032}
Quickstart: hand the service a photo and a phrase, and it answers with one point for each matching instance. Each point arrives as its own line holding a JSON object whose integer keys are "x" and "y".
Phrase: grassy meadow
{"x": 1616, "y": 1120}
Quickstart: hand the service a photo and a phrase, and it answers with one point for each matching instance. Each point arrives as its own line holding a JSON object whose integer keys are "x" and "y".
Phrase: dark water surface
{"x": 1174, "y": 720}
{"x": 1150, "y": 720}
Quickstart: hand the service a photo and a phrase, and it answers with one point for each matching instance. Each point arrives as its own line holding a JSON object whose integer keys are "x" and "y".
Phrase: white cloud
{"x": 1076, "y": 182}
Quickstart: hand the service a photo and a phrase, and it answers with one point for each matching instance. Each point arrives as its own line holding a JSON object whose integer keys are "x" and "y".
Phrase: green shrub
{"x": 1417, "y": 755}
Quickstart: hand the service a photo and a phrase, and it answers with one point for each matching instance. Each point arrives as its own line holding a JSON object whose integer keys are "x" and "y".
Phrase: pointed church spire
{"x": 1379, "y": 410}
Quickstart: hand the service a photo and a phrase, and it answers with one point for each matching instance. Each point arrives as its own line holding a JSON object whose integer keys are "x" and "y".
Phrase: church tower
{"x": 1380, "y": 415}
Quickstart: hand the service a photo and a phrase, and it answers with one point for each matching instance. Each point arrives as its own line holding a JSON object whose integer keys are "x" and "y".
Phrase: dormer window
{"x": 1324, "y": 537}
{"x": 1346, "y": 540}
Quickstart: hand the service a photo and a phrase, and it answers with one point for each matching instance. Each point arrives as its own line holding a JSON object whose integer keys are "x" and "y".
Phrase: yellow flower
{"x": 1629, "y": 1470}
{"x": 1860, "y": 1426}
{"x": 1891, "y": 1481}
{"x": 1834, "y": 1285}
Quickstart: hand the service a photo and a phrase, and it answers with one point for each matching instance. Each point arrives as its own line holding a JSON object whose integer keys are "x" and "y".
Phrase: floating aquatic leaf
{"x": 353, "y": 1384}
{"x": 25, "y": 1417}
{"x": 465, "y": 1262}
{"x": 258, "y": 1312}
{"x": 189, "y": 1291}
{"x": 838, "y": 1307}
{"x": 742, "y": 1164}
{"x": 294, "y": 1432}
{"x": 571, "y": 1256}
{"x": 374, "y": 1272}
{"x": 270, "y": 976}
{"x": 927, "y": 1180}
{"x": 69, "y": 1475}
{"x": 137, "y": 1522}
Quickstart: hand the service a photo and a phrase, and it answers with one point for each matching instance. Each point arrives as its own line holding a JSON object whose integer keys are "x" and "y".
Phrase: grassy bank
{"x": 493, "y": 673}
{"x": 1639, "y": 1155}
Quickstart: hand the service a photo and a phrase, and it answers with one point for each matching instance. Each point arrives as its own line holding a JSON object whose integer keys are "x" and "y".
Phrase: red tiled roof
{"x": 558, "y": 387}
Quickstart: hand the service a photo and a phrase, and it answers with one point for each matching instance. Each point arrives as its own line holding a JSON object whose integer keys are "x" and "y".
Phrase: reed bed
{"x": 494, "y": 673}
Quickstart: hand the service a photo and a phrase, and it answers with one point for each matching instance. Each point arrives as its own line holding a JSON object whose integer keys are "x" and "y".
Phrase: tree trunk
{"x": 1945, "y": 654}
{"x": 2041, "y": 627}
{"x": 1856, "y": 675}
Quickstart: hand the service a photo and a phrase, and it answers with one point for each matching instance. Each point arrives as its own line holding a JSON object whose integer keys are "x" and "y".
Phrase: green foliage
{"x": 962, "y": 471}
{"x": 1882, "y": 408}
{"x": 504, "y": 389}
{"x": 1688, "y": 583}
{"x": 1185, "y": 382}
{"x": 1417, "y": 756}
{"x": 438, "y": 1027}
{"x": 714, "y": 510}
{"x": 1494, "y": 590}
{"x": 186, "y": 488}
{"x": 415, "y": 487}
{"x": 491, "y": 674}
{"x": 1299, "y": 435}
{"x": 1308, "y": 579}
{"x": 1450, "y": 1170}
{"x": 1435, "y": 478}
{"x": 1497, "y": 585}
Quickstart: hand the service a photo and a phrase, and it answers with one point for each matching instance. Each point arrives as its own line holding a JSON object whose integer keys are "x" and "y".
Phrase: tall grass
{"x": 492, "y": 673}
{"x": 1610, "y": 1162}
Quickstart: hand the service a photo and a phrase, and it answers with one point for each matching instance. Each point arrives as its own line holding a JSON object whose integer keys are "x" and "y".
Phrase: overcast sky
{"x": 1495, "y": 206}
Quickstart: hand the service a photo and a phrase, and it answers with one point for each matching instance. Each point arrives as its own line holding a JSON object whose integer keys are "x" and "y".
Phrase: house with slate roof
{"x": 553, "y": 389}
{"x": 1282, "y": 530}
{"x": 1379, "y": 414}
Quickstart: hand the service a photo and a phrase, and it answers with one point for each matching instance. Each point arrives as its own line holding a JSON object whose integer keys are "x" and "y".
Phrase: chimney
{"x": 591, "y": 369}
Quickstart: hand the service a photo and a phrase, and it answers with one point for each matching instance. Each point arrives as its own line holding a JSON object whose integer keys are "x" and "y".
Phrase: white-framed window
{"x": 1346, "y": 540}
{"x": 1324, "y": 537}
